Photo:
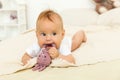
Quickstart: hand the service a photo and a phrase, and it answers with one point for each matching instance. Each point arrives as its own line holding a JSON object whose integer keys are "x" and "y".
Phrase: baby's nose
{"x": 48, "y": 37}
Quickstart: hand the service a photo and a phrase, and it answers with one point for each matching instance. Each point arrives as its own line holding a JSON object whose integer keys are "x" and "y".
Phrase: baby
{"x": 49, "y": 32}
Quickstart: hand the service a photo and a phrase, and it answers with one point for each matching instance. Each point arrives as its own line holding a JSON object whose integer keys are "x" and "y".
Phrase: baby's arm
{"x": 25, "y": 58}
{"x": 68, "y": 58}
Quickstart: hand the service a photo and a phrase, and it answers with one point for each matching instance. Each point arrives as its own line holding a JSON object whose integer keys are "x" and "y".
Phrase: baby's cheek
{"x": 58, "y": 44}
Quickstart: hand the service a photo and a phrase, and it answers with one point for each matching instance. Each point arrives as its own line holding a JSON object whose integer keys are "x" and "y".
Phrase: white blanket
{"x": 102, "y": 45}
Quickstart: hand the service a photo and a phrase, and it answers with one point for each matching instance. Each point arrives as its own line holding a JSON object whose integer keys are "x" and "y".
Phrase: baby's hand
{"x": 53, "y": 52}
{"x": 25, "y": 58}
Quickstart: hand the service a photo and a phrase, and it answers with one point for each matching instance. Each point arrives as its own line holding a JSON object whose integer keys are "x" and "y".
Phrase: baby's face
{"x": 49, "y": 34}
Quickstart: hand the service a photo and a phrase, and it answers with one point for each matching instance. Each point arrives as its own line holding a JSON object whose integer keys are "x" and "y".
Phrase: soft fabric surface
{"x": 80, "y": 16}
{"x": 100, "y": 71}
{"x": 84, "y": 17}
{"x": 111, "y": 17}
{"x": 102, "y": 45}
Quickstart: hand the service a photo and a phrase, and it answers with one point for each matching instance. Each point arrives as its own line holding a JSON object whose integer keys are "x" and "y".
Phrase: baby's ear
{"x": 63, "y": 33}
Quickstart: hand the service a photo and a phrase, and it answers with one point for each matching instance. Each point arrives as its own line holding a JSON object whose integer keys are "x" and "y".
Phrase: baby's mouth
{"x": 48, "y": 46}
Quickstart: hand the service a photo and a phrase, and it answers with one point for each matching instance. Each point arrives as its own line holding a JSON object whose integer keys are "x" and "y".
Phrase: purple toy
{"x": 43, "y": 60}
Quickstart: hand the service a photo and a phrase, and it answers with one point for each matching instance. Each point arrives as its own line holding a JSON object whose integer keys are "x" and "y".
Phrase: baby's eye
{"x": 43, "y": 34}
{"x": 54, "y": 34}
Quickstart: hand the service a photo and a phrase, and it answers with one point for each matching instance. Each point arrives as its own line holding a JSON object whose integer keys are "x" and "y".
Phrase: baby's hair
{"x": 50, "y": 15}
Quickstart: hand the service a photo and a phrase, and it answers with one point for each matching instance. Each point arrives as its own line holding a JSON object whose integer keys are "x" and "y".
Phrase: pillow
{"x": 111, "y": 17}
{"x": 78, "y": 17}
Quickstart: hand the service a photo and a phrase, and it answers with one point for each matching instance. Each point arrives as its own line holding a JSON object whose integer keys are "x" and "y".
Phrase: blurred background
{"x": 17, "y": 16}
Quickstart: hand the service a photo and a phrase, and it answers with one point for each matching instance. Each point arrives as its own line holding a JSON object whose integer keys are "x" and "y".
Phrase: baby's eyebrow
{"x": 41, "y": 32}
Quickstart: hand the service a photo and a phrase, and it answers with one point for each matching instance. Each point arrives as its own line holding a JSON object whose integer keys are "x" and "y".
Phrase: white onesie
{"x": 65, "y": 48}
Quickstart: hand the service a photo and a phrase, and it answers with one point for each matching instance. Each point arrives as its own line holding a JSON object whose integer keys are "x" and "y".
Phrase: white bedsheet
{"x": 102, "y": 45}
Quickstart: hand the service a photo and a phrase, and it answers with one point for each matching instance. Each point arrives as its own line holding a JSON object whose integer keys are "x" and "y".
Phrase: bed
{"x": 97, "y": 59}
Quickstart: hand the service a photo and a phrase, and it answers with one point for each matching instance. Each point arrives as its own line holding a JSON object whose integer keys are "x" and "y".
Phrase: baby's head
{"x": 49, "y": 29}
